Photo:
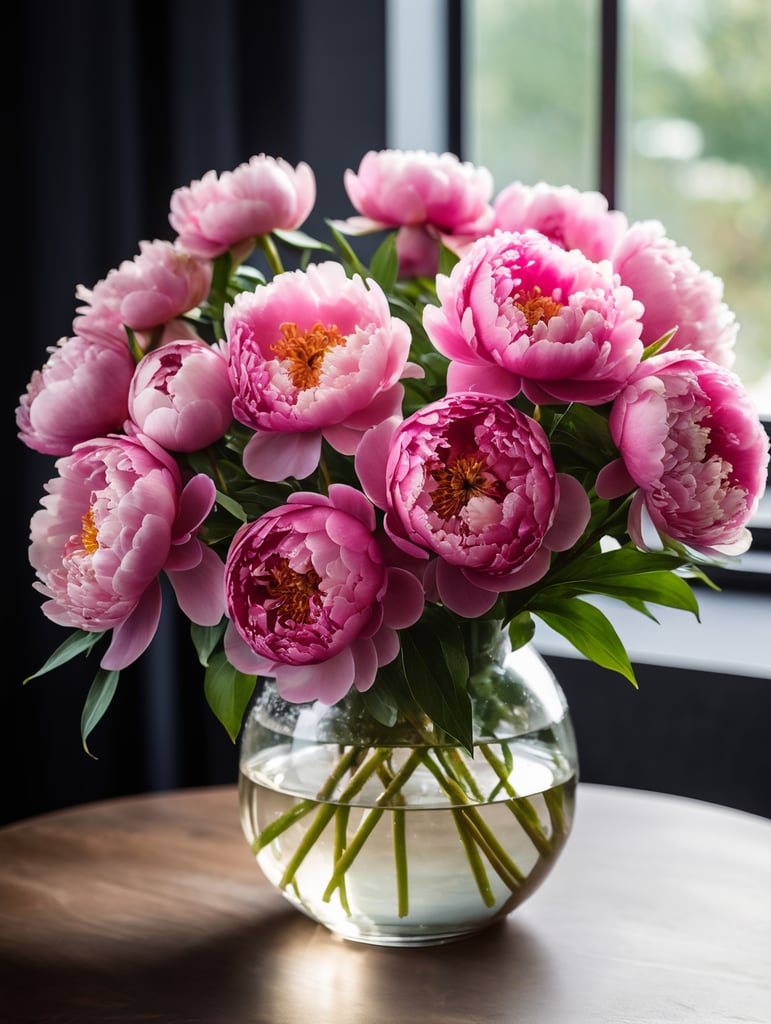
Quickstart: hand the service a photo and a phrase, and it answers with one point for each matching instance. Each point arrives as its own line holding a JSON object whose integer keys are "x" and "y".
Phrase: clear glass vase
{"x": 384, "y": 835}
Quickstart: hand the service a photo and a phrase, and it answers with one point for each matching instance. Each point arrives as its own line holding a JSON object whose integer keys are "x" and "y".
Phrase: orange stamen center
{"x": 88, "y": 536}
{"x": 458, "y": 484}
{"x": 293, "y": 590}
{"x": 304, "y": 351}
{"x": 537, "y": 306}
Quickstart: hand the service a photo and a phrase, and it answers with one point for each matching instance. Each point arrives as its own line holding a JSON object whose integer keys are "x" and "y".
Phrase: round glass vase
{"x": 389, "y": 836}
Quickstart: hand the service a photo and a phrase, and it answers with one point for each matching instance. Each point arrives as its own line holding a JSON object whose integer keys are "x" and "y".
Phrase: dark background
{"x": 109, "y": 107}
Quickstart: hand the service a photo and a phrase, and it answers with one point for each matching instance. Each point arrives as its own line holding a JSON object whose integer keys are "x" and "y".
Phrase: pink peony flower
{"x": 675, "y": 293}
{"x": 312, "y": 354}
{"x": 569, "y": 218}
{"x": 312, "y": 601}
{"x": 81, "y": 392}
{"x": 471, "y": 480}
{"x": 695, "y": 449}
{"x": 428, "y": 196}
{"x": 520, "y": 313}
{"x": 215, "y": 213}
{"x": 181, "y": 397}
{"x": 113, "y": 519}
{"x": 145, "y": 293}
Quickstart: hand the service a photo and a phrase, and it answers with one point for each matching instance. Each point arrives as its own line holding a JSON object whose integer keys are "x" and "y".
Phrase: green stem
{"x": 475, "y": 861}
{"x": 553, "y": 800}
{"x": 462, "y": 774}
{"x": 272, "y": 831}
{"x": 520, "y": 806}
{"x": 502, "y": 864}
{"x": 326, "y": 811}
{"x": 268, "y": 246}
{"x": 365, "y": 829}
{"x": 500, "y": 860}
{"x": 341, "y": 837}
{"x": 400, "y": 862}
{"x": 480, "y": 832}
{"x": 352, "y": 850}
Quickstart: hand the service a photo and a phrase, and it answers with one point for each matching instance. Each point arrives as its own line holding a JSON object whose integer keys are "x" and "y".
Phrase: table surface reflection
{"x": 152, "y": 909}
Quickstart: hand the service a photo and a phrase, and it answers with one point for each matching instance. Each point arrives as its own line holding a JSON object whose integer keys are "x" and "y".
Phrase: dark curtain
{"x": 109, "y": 107}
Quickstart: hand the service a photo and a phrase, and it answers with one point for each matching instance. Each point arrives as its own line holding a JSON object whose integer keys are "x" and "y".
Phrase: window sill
{"x": 731, "y": 638}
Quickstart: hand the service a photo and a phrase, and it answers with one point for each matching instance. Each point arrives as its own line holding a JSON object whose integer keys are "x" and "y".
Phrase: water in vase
{"x": 452, "y": 844}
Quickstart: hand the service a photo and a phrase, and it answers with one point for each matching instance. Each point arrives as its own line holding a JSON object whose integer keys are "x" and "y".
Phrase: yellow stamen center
{"x": 458, "y": 484}
{"x": 293, "y": 590}
{"x": 537, "y": 306}
{"x": 88, "y": 536}
{"x": 304, "y": 351}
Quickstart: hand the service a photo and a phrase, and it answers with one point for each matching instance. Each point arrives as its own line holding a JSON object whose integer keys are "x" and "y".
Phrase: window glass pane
{"x": 530, "y": 103}
{"x": 697, "y": 150}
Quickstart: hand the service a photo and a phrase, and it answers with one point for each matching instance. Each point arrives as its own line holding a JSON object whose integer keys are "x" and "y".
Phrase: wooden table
{"x": 152, "y": 909}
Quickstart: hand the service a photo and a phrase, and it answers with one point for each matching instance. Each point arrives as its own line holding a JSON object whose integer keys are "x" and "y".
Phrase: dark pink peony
{"x": 520, "y": 313}
{"x": 311, "y": 599}
{"x": 471, "y": 480}
{"x": 217, "y": 213}
{"x": 115, "y": 517}
{"x": 693, "y": 447}
{"x": 81, "y": 392}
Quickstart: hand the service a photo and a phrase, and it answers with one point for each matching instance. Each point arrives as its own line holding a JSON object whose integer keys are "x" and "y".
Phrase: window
{"x": 688, "y": 146}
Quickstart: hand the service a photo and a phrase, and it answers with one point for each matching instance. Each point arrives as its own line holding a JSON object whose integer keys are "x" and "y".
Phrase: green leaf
{"x": 97, "y": 701}
{"x": 348, "y": 255}
{"x": 228, "y": 692}
{"x": 75, "y": 644}
{"x": 588, "y": 630}
{"x": 385, "y": 263}
{"x": 447, "y": 259}
{"x": 521, "y": 630}
{"x": 206, "y": 638}
{"x": 436, "y": 669}
{"x": 379, "y": 700}
{"x": 624, "y": 561}
{"x": 230, "y": 505}
{"x": 299, "y": 240}
{"x": 656, "y": 346}
{"x": 664, "y": 588}
{"x": 134, "y": 347}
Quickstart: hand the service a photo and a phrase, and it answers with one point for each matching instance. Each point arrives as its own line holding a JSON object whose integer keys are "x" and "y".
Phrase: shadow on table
{"x": 282, "y": 970}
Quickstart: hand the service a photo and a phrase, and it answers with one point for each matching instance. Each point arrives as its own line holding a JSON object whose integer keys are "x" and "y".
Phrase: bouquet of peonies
{"x": 521, "y": 401}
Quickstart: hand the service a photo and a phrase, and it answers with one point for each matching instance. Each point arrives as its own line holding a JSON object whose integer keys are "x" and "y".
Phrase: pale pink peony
{"x": 215, "y": 214}
{"x": 428, "y": 196}
{"x": 675, "y": 292}
{"x": 695, "y": 449}
{"x": 471, "y": 480}
{"x": 313, "y": 354}
{"x": 569, "y": 218}
{"x": 520, "y": 313}
{"x": 311, "y": 599}
{"x": 81, "y": 392}
{"x": 181, "y": 397}
{"x": 114, "y": 518}
{"x": 145, "y": 293}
